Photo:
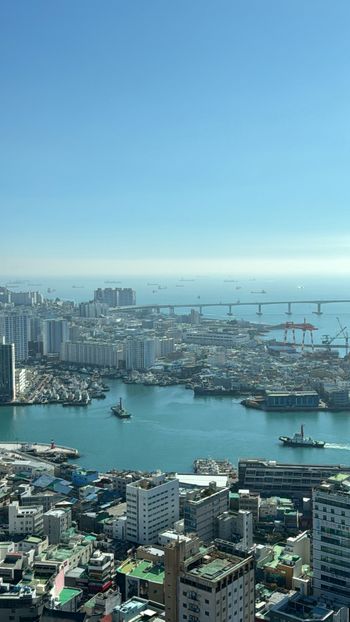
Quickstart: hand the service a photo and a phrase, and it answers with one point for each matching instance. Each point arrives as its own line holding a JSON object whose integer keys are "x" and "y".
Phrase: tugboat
{"x": 300, "y": 440}
{"x": 119, "y": 411}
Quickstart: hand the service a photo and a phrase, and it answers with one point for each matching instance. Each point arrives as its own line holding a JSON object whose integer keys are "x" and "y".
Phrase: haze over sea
{"x": 169, "y": 427}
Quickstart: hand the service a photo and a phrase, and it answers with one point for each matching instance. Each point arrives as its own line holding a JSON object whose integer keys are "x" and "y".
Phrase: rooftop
{"x": 67, "y": 594}
{"x": 143, "y": 569}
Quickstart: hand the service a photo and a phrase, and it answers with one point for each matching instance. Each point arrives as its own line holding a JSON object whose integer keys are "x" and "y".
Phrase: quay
{"x": 41, "y": 450}
{"x": 259, "y": 304}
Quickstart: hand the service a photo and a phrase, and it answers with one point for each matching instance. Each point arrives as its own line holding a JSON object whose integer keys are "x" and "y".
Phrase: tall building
{"x": 15, "y": 329}
{"x": 56, "y": 522}
{"x": 7, "y": 372}
{"x": 92, "y": 353}
{"x": 152, "y": 505}
{"x": 55, "y": 332}
{"x": 201, "y": 509}
{"x": 331, "y": 539}
{"x": 207, "y": 584}
{"x": 115, "y": 296}
{"x": 140, "y": 354}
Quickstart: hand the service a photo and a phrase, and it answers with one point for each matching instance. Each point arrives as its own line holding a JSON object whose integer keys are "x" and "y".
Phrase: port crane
{"x": 327, "y": 340}
{"x": 305, "y": 327}
{"x": 346, "y": 336}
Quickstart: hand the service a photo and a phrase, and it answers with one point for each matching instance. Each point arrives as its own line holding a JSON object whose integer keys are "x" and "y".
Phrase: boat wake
{"x": 337, "y": 446}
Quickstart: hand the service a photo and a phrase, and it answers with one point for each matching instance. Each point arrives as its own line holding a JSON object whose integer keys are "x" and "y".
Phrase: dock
{"x": 41, "y": 450}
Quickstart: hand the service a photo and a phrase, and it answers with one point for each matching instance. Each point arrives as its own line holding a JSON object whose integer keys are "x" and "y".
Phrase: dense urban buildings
{"x": 331, "y": 539}
{"x": 260, "y": 540}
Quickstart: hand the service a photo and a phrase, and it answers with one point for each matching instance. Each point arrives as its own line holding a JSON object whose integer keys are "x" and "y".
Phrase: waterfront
{"x": 170, "y": 428}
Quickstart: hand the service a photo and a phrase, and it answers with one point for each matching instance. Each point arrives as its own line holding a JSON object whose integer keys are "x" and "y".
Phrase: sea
{"x": 170, "y": 427}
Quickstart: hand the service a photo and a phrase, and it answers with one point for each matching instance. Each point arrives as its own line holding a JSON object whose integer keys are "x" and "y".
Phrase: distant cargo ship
{"x": 259, "y": 291}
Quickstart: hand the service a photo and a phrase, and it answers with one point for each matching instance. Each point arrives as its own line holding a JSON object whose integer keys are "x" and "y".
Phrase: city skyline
{"x": 158, "y": 138}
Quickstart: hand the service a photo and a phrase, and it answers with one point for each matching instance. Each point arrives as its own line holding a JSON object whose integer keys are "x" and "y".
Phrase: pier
{"x": 40, "y": 450}
{"x": 258, "y": 304}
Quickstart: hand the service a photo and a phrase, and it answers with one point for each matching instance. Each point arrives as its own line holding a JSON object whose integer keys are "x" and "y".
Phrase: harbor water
{"x": 170, "y": 427}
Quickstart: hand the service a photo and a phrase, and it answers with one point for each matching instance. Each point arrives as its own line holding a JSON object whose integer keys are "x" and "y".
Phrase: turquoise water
{"x": 170, "y": 428}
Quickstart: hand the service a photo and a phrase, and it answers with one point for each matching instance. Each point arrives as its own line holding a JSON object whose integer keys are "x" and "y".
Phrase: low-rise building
{"x": 25, "y": 520}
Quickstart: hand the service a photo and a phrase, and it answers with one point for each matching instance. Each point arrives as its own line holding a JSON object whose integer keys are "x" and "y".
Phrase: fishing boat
{"x": 119, "y": 411}
{"x": 300, "y": 440}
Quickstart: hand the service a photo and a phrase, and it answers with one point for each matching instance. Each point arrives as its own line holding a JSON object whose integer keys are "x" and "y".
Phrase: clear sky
{"x": 166, "y": 135}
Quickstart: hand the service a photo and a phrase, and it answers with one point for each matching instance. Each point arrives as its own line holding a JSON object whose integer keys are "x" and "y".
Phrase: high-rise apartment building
{"x": 55, "y": 332}
{"x": 331, "y": 539}
{"x": 115, "y": 296}
{"x": 15, "y": 328}
{"x": 92, "y": 353}
{"x": 7, "y": 372}
{"x": 140, "y": 353}
{"x": 152, "y": 505}
{"x": 206, "y": 584}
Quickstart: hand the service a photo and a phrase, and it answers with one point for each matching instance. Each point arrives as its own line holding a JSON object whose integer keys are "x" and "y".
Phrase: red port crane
{"x": 304, "y": 326}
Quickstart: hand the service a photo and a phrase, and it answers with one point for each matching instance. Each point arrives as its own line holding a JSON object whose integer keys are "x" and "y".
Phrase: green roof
{"x": 142, "y": 569}
{"x": 214, "y": 569}
{"x": 339, "y": 477}
{"x": 67, "y": 594}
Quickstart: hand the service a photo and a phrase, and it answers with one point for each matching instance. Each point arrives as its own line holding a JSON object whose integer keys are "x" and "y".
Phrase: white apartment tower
{"x": 140, "y": 354}
{"x": 15, "y": 329}
{"x": 152, "y": 506}
{"x": 55, "y": 332}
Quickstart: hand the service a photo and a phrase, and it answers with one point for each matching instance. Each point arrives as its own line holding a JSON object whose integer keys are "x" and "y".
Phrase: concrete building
{"x": 20, "y": 603}
{"x": 298, "y": 608}
{"x": 140, "y": 354}
{"x": 152, "y": 506}
{"x": 330, "y": 539}
{"x": 250, "y": 502}
{"x": 92, "y": 353}
{"x": 201, "y": 509}
{"x": 288, "y": 480}
{"x": 7, "y": 372}
{"x": 55, "y": 332}
{"x": 115, "y": 296}
{"x": 56, "y": 521}
{"x": 15, "y": 329}
{"x": 202, "y": 585}
{"x": 236, "y": 527}
{"x": 100, "y": 571}
{"x": 25, "y": 520}
{"x": 143, "y": 575}
{"x": 92, "y": 309}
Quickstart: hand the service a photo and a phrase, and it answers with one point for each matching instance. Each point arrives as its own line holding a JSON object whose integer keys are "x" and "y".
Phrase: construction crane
{"x": 346, "y": 336}
{"x": 327, "y": 340}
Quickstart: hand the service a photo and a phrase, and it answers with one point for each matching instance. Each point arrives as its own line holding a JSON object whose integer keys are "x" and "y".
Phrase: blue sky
{"x": 139, "y": 135}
